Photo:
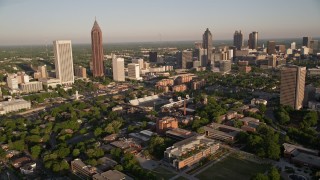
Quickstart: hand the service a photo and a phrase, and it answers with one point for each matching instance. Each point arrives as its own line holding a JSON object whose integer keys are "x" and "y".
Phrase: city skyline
{"x": 126, "y": 21}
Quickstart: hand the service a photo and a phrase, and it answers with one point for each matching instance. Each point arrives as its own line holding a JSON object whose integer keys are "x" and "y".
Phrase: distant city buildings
{"x": 97, "y": 51}
{"x": 292, "y": 86}
{"x": 253, "y": 40}
{"x": 238, "y": 40}
{"x": 63, "y": 61}
{"x": 118, "y": 69}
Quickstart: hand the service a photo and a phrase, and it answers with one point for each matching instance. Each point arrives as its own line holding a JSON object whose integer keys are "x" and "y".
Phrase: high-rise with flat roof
{"x": 207, "y": 43}
{"x": 153, "y": 56}
{"x": 118, "y": 69}
{"x": 97, "y": 51}
{"x": 63, "y": 61}
{"x": 238, "y": 39}
{"x": 134, "y": 71}
{"x": 306, "y": 41}
{"x": 292, "y": 86}
{"x": 271, "y": 47}
{"x": 253, "y": 40}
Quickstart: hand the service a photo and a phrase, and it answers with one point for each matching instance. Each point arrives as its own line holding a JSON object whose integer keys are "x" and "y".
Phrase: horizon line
{"x": 132, "y": 42}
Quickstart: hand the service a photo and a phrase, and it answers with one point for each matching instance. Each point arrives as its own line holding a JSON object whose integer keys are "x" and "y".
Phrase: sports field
{"x": 232, "y": 168}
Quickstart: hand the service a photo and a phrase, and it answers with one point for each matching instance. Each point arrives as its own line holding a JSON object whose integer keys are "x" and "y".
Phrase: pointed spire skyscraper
{"x": 97, "y": 50}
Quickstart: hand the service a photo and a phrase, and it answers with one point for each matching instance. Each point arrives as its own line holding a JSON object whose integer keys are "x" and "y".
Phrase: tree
{"x": 35, "y": 151}
{"x": 274, "y": 174}
{"x": 118, "y": 167}
{"x": 260, "y": 176}
{"x": 262, "y": 108}
{"x": 63, "y": 152}
{"x": 75, "y": 152}
{"x": 116, "y": 154}
{"x": 97, "y": 131}
{"x": 17, "y": 145}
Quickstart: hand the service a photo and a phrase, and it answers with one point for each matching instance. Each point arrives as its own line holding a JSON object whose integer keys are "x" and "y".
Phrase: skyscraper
{"x": 187, "y": 60}
{"x": 292, "y": 86}
{"x": 97, "y": 51}
{"x": 306, "y": 41}
{"x": 314, "y": 46}
{"x": 253, "y": 40}
{"x": 238, "y": 40}
{"x": 207, "y": 43}
{"x": 63, "y": 61}
{"x": 271, "y": 47}
{"x": 118, "y": 69}
{"x": 153, "y": 56}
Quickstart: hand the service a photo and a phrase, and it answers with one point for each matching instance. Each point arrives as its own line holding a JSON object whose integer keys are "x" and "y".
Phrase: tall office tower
{"x": 292, "y": 86}
{"x": 138, "y": 61}
{"x": 198, "y": 45}
{"x": 314, "y": 46}
{"x": 201, "y": 54}
{"x": 253, "y": 40}
{"x": 238, "y": 40}
{"x": 63, "y": 61}
{"x": 187, "y": 60}
{"x": 306, "y": 41}
{"x": 207, "y": 43}
{"x": 97, "y": 51}
{"x": 153, "y": 56}
{"x": 134, "y": 71}
{"x": 271, "y": 47}
{"x": 43, "y": 71}
{"x": 118, "y": 69}
{"x": 293, "y": 45}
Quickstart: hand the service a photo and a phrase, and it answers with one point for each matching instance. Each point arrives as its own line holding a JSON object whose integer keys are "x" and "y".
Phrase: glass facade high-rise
{"x": 306, "y": 41}
{"x": 253, "y": 40}
{"x": 238, "y": 39}
{"x": 97, "y": 51}
{"x": 207, "y": 43}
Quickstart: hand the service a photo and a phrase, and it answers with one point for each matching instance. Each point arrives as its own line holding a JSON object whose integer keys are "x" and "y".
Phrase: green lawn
{"x": 162, "y": 173}
{"x": 232, "y": 168}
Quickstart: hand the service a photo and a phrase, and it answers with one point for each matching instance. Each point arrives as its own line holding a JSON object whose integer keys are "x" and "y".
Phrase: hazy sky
{"x": 42, "y": 21}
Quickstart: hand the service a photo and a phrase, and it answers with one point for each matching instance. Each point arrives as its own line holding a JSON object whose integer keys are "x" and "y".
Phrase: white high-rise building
{"x": 118, "y": 69}
{"x": 63, "y": 61}
{"x": 293, "y": 45}
{"x": 138, "y": 61}
{"x": 134, "y": 71}
{"x": 12, "y": 82}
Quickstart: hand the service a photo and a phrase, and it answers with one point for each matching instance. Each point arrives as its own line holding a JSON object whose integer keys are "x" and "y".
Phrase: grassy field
{"x": 162, "y": 173}
{"x": 232, "y": 168}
